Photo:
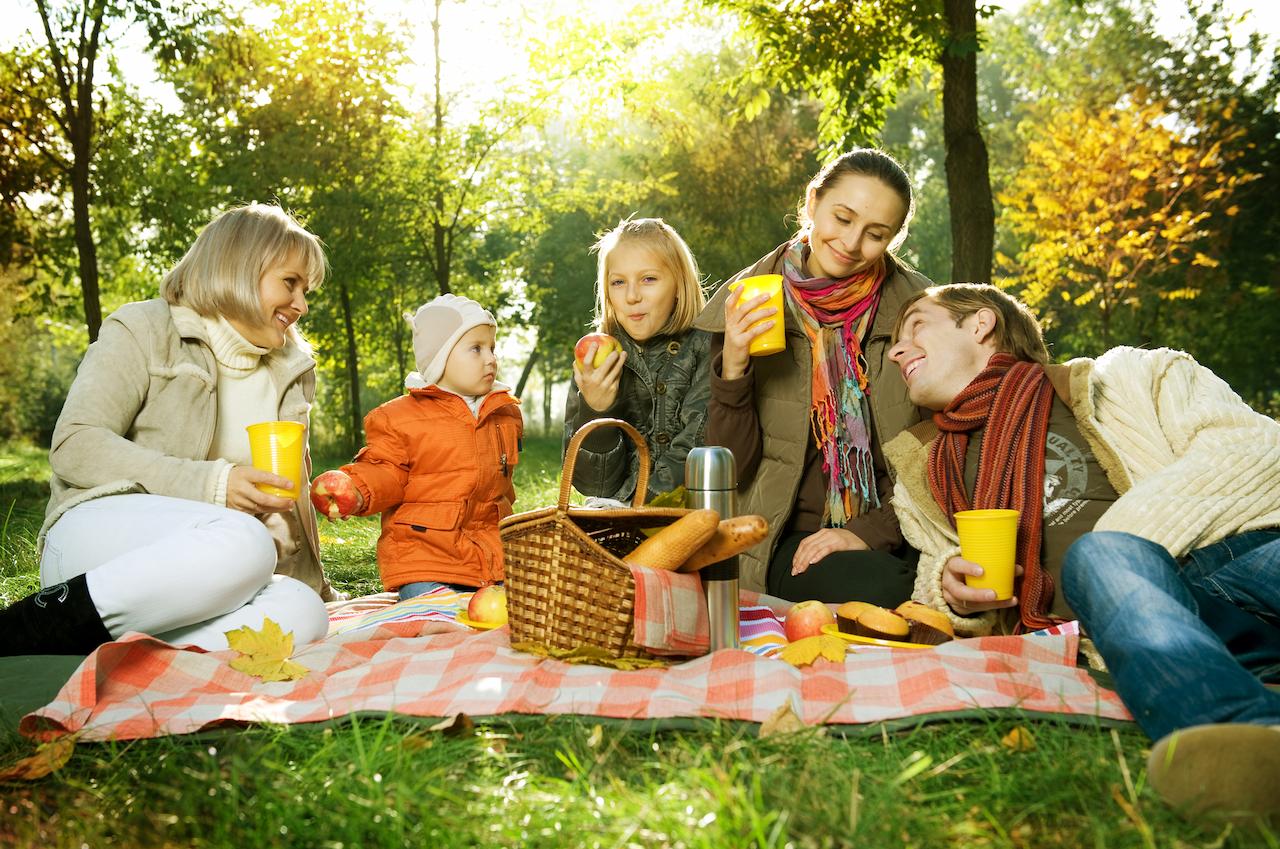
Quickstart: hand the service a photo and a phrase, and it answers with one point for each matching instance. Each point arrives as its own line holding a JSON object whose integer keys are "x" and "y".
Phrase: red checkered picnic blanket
{"x": 141, "y": 687}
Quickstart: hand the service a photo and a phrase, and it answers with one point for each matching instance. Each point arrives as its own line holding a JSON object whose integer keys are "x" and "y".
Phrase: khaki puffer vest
{"x": 783, "y": 399}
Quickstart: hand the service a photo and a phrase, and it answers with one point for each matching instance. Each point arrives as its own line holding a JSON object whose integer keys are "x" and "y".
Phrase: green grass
{"x": 576, "y": 781}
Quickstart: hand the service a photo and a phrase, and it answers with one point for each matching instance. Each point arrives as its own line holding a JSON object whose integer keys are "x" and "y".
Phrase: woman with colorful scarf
{"x": 806, "y": 424}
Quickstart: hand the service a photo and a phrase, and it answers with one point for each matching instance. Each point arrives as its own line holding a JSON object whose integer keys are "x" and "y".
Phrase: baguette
{"x": 732, "y": 536}
{"x": 670, "y": 547}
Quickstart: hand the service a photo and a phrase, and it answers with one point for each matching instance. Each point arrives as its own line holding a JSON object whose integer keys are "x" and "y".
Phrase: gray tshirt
{"x": 1076, "y": 493}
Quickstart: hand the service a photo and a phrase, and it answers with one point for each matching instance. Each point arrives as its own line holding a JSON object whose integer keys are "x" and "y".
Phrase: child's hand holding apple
{"x": 597, "y": 369}
{"x": 334, "y": 494}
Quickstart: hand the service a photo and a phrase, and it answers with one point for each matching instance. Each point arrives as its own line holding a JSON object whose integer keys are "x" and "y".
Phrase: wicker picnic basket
{"x": 567, "y": 585}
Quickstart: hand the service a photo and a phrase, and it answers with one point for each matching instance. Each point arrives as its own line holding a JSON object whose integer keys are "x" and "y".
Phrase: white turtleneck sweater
{"x": 246, "y": 395}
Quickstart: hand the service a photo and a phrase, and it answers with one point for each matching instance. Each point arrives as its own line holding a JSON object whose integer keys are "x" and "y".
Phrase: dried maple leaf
{"x": 782, "y": 721}
{"x": 1018, "y": 740}
{"x": 49, "y": 757}
{"x": 457, "y": 725}
{"x": 265, "y": 653}
{"x": 806, "y": 651}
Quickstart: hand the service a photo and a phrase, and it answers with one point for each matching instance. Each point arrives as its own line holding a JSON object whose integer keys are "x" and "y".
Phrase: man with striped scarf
{"x": 1147, "y": 490}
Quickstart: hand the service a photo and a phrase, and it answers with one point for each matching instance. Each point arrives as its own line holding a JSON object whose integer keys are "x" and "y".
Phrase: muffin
{"x": 928, "y": 626}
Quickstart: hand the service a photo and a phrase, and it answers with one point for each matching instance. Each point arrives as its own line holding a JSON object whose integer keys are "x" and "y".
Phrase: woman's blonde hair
{"x": 661, "y": 238}
{"x": 220, "y": 273}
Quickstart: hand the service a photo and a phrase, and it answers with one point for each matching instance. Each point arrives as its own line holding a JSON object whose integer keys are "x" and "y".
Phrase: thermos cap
{"x": 710, "y": 467}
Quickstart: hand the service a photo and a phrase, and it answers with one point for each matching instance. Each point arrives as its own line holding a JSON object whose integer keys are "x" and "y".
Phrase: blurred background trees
{"x": 479, "y": 147}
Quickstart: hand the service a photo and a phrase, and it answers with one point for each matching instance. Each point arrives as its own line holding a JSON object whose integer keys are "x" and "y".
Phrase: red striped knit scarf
{"x": 1012, "y": 400}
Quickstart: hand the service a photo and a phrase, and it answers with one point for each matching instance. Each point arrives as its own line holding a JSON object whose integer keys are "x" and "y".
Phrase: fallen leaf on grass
{"x": 265, "y": 653}
{"x": 808, "y": 650}
{"x": 597, "y": 735}
{"x": 49, "y": 757}
{"x": 782, "y": 721}
{"x": 1018, "y": 740}
{"x": 454, "y": 726}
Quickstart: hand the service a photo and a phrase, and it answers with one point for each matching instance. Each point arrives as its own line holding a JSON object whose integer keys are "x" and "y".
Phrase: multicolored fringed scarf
{"x": 1012, "y": 399}
{"x": 835, "y": 315}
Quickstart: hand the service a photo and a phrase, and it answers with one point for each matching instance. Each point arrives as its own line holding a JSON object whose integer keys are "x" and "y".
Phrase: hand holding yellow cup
{"x": 276, "y": 447}
{"x": 990, "y": 539}
{"x": 774, "y": 339}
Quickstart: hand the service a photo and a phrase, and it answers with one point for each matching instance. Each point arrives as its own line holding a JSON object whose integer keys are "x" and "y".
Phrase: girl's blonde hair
{"x": 661, "y": 238}
{"x": 220, "y": 273}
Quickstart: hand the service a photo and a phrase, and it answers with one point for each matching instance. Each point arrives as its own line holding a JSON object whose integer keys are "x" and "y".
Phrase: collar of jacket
{"x": 908, "y": 452}
{"x": 636, "y": 351}
{"x": 285, "y": 364}
{"x": 500, "y": 396}
{"x": 1064, "y": 378}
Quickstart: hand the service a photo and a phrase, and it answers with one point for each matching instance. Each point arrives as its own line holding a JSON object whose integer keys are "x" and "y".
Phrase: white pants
{"x": 184, "y": 571}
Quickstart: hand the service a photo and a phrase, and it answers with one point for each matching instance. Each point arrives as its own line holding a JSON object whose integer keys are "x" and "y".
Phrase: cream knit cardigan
{"x": 1192, "y": 462}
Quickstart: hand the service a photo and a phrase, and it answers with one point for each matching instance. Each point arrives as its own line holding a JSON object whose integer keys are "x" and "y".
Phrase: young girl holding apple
{"x": 657, "y": 378}
{"x": 156, "y": 522}
{"x": 438, "y": 463}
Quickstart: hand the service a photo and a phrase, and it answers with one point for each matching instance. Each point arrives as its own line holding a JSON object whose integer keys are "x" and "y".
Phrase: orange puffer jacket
{"x": 441, "y": 478}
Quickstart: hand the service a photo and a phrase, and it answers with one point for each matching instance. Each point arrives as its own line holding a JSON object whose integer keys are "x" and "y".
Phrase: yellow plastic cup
{"x": 990, "y": 538}
{"x": 774, "y": 339}
{"x": 276, "y": 447}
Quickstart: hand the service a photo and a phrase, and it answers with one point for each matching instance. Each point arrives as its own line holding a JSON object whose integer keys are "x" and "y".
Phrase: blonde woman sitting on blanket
{"x": 156, "y": 522}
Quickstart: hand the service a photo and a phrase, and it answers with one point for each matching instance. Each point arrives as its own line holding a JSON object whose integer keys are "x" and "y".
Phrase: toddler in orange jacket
{"x": 438, "y": 462}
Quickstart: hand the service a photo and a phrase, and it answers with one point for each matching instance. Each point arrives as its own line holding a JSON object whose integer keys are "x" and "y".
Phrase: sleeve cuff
{"x": 738, "y": 392}
{"x": 869, "y": 531}
{"x": 220, "y": 488}
{"x": 362, "y": 488}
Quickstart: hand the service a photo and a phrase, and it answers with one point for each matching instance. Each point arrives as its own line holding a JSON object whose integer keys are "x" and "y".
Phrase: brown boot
{"x": 1229, "y": 771}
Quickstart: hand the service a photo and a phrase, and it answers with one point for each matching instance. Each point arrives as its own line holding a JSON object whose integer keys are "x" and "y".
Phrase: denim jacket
{"x": 663, "y": 393}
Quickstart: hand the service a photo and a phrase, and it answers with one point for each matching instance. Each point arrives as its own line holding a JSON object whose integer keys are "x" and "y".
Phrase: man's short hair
{"x": 1017, "y": 330}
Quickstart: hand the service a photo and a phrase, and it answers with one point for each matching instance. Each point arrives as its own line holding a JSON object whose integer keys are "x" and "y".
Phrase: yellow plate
{"x": 834, "y": 630}
{"x": 479, "y": 626}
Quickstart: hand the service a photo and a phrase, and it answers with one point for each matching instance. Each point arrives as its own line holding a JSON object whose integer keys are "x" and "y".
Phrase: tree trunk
{"x": 86, "y": 248}
{"x": 968, "y": 178}
{"x": 439, "y": 232}
{"x": 546, "y": 402}
{"x": 401, "y": 336}
{"x": 528, "y": 368}
{"x": 75, "y": 91}
{"x": 441, "y": 248}
{"x": 353, "y": 369}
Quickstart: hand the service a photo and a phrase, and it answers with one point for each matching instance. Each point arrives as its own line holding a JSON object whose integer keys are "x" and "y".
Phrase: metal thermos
{"x": 711, "y": 481}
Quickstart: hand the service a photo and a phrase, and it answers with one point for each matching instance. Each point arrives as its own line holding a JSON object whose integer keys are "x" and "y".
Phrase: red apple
{"x": 489, "y": 604}
{"x": 806, "y": 618}
{"x": 605, "y": 345}
{"x": 334, "y": 494}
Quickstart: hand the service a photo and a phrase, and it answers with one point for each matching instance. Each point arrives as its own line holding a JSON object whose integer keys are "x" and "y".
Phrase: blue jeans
{"x": 417, "y": 588}
{"x": 1188, "y": 641}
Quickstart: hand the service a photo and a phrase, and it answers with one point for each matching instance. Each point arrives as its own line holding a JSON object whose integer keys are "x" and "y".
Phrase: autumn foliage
{"x": 1117, "y": 207}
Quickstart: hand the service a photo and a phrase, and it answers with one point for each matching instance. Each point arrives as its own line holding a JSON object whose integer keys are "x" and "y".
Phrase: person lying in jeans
{"x": 1149, "y": 492}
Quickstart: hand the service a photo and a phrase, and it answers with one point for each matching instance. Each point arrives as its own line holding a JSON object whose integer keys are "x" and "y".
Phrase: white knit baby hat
{"x": 437, "y": 327}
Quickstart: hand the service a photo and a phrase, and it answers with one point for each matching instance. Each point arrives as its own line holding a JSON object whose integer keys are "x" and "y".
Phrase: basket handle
{"x": 571, "y": 457}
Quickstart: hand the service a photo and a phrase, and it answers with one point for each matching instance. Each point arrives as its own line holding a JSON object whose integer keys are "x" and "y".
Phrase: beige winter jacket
{"x": 782, "y": 385}
{"x": 140, "y": 417}
{"x": 1192, "y": 463}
